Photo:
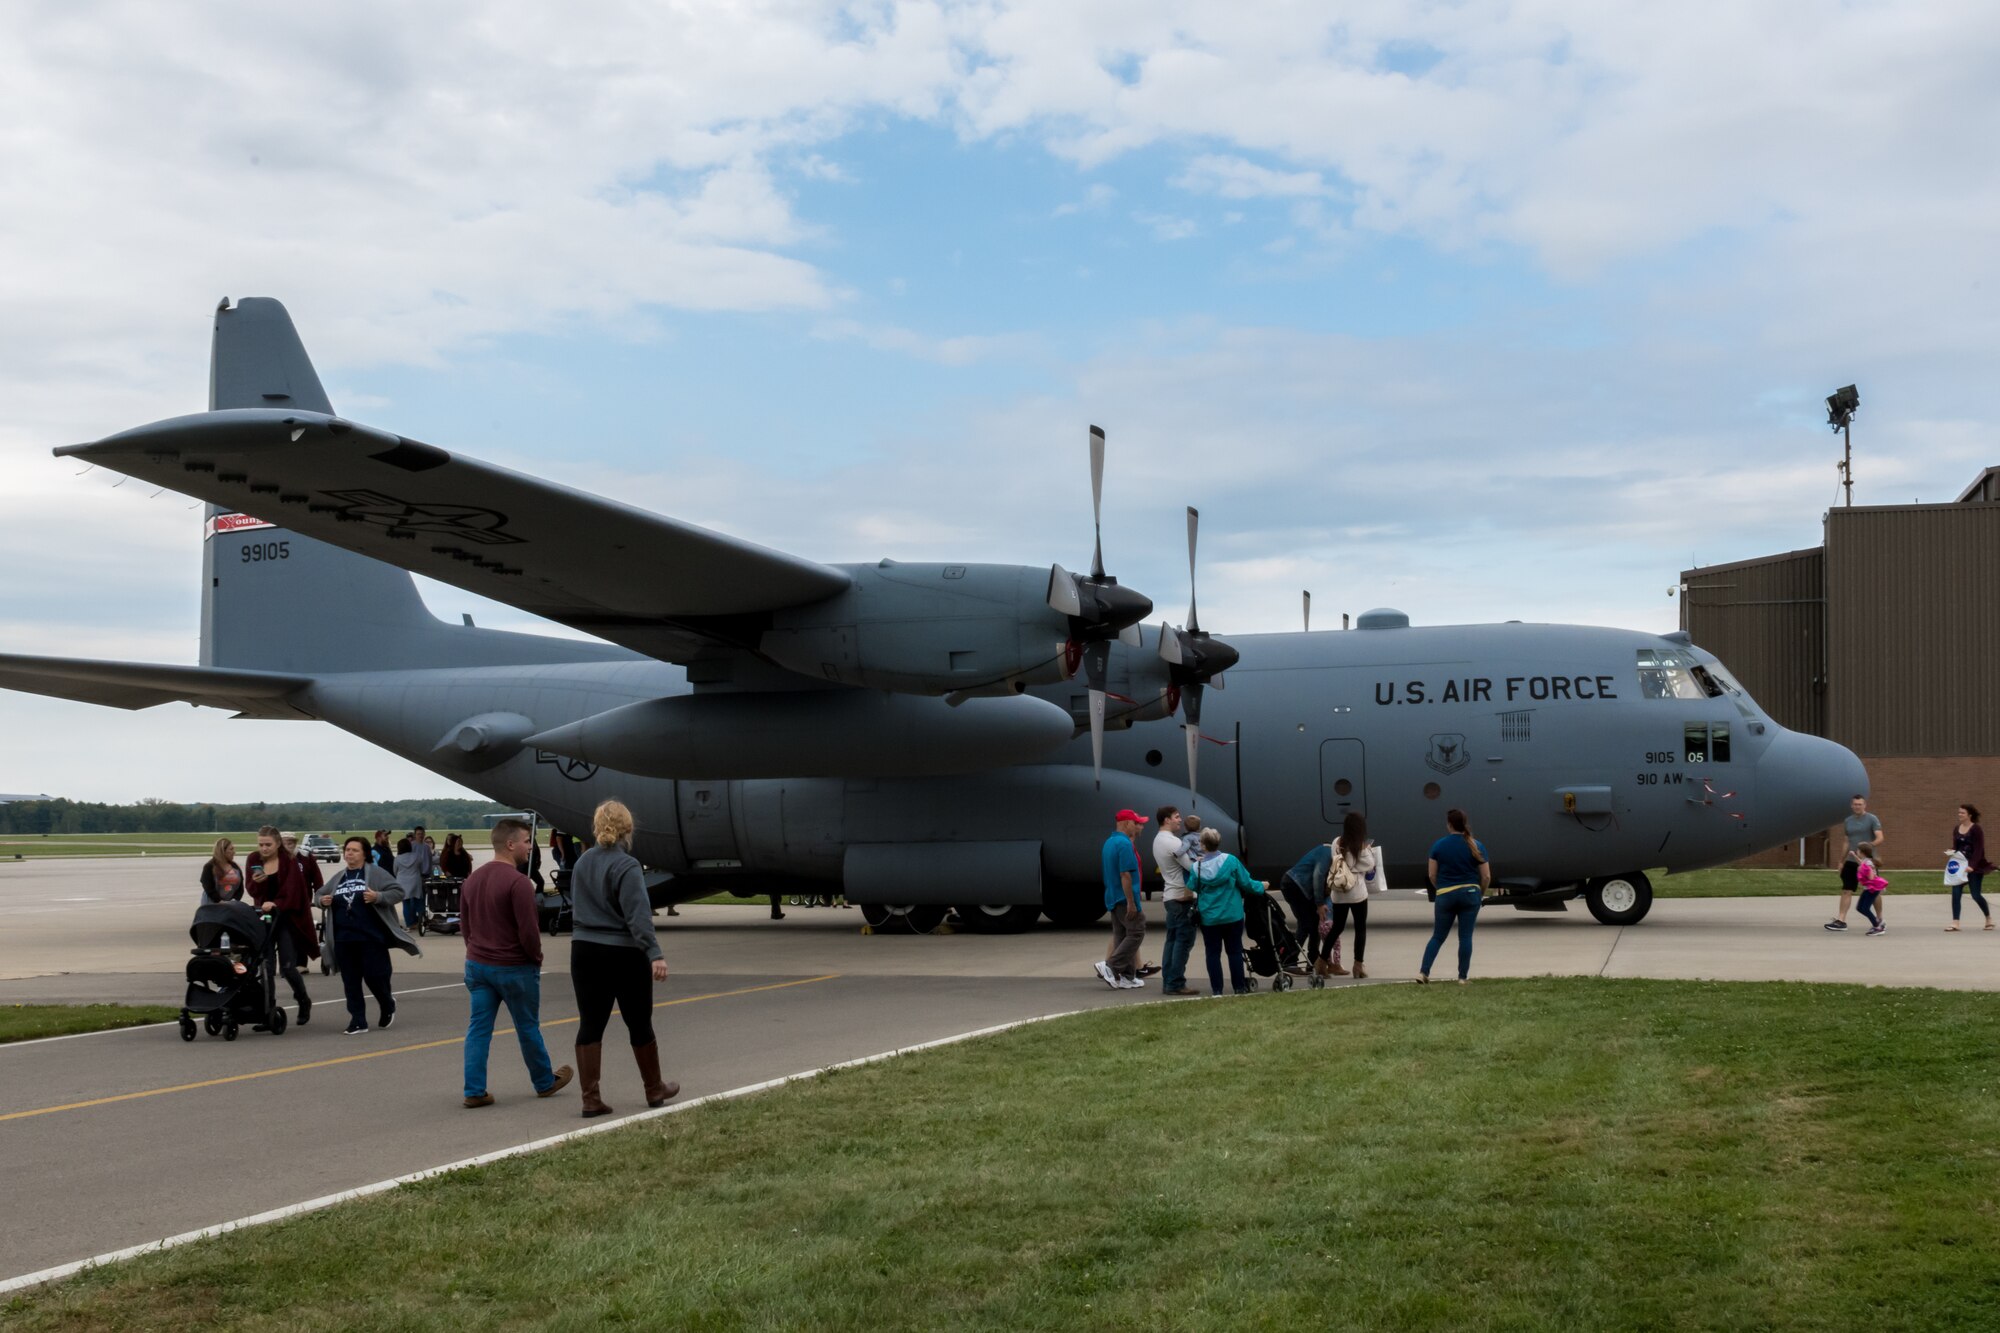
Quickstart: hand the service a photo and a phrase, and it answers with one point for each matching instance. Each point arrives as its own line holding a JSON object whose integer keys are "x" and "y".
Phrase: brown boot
{"x": 1359, "y": 971}
{"x": 658, "y": 1093}
{"x": 590, "y": 1068}
{"x": 1336, "y": 970}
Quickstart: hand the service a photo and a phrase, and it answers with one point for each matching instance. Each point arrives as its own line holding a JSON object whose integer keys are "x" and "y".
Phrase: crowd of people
{"x": 376, "y": 895}
{"x": 1205, "y": 890}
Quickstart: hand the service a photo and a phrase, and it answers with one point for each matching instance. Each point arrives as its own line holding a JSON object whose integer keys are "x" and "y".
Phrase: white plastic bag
{"x": 1956, "y": 871}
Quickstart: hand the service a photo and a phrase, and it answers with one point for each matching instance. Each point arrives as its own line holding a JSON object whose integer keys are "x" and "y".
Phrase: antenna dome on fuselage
{"x": 1383, "y": 617}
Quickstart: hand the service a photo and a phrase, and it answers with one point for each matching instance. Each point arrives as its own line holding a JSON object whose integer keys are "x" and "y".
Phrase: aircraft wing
{"x": 654, "y": 584}
{"x": 134, "y": 685}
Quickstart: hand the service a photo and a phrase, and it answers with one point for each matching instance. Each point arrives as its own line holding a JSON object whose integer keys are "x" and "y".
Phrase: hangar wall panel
{"x": 1913, "y": 632}
{"x": 1766, "y": 620}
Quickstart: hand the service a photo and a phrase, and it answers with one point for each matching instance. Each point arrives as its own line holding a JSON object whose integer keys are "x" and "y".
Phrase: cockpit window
{"x": 1666, "y": 674}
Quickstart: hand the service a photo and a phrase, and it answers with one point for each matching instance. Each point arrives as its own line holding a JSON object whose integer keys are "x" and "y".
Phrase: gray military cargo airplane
{"x": 916, "y": 733}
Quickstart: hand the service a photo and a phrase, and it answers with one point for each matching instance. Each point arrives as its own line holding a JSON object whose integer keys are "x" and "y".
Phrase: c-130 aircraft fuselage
{"x": 919, "y": 735}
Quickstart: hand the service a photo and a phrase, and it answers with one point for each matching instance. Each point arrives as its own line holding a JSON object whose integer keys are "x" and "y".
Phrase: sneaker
{"x": 1148, "y": 969}
{"x": 1876, "y": 930}
{"x": 355, "y": 1027}
{"x": 1135, "y": 983}
{"x": 388, "y": 1017}
{"x": 1836, "y": 925}
{"x": 1104, "y": 975}
{"x": 1179, "y": 991}
{"x": 483, "y": 1099}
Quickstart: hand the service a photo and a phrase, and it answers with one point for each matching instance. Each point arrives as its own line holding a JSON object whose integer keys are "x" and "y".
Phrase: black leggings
{"x": 608, "y": 974}
{"x": 1359, "y": 911}
{"x": 291, "y": 955}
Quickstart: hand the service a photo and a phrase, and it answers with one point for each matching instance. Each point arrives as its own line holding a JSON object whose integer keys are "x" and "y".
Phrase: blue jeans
{"x": 1462, "y": 906}
{"x": 520, "y": 989}
{"x": 1971, "y": 885}
{"x": 1215, "y": 940}
{"x": 1181, "y": 924}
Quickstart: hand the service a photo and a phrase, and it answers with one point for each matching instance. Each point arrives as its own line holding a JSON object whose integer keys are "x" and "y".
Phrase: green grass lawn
{"x": 1731, "y": 882}
{"x": 25, "y": 1022}
{"x": 1564, "y": 1154}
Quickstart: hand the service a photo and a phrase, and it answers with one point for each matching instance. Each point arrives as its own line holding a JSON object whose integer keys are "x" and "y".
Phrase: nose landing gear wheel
{"x": 1620, "y": 900}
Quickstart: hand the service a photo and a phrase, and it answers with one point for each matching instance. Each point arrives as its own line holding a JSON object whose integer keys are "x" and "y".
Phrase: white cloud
{"x": 1167, "y": 227}
{"x": 1237, "y": 178}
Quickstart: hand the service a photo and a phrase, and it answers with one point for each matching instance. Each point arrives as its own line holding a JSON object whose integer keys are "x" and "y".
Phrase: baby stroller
{"x": 232, "y": 973}
{"x": 1269, "y": 948}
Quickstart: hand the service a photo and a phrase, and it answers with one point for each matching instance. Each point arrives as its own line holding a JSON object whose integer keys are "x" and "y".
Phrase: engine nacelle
{"x": 810, "y": 733}
{"x": 927, "y": 629}
{"x": 1136, "y": 683}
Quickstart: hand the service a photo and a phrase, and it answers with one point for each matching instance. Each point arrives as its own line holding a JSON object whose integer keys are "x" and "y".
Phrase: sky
{"x": 1483, "y": 311}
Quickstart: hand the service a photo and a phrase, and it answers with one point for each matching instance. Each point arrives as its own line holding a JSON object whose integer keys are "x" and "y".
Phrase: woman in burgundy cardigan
{"x": 272, "y": 880}
{"x": 1969, "y": 841}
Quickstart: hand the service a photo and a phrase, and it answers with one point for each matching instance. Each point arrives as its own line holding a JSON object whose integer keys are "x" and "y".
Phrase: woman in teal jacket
{"x": 1220, "y": 885}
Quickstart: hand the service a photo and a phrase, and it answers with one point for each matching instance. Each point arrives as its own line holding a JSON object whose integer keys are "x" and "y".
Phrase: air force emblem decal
{"x": 1447, "y": 754}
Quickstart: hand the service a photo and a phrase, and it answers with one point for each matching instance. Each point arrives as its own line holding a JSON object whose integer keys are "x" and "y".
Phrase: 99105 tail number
{"x": 255, "y": 553}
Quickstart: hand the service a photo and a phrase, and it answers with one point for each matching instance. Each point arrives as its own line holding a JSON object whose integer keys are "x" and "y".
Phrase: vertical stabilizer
{"x": 258, "y": 361}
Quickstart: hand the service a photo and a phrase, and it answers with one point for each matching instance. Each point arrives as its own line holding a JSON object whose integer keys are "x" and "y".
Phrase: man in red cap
{"x": 1119, "y": 970}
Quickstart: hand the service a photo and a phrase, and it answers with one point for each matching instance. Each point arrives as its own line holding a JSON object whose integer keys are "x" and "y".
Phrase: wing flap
{"x": 633, "y": 577}
{"x": 135, "y": 685}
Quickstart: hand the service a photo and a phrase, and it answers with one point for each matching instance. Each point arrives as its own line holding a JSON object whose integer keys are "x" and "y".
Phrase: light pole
{"x": 1841, "y": 405}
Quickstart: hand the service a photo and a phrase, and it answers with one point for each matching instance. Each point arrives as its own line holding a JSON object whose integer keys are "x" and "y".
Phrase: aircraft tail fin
{"x": 275, "y": 601}
{"x": 257, "y": 360}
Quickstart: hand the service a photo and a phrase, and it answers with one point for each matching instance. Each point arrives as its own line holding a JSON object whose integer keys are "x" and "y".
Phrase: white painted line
{"x": 61, "y": 1271}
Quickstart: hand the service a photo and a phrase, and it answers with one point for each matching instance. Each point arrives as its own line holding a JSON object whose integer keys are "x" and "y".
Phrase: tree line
{"x": 158, "y": 816}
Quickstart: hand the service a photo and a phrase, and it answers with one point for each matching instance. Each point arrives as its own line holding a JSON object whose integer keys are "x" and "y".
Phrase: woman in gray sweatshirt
{"x": 614, "y": 958}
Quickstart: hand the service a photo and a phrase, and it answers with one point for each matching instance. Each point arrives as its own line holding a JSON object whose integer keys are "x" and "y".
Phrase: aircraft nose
{"x": 1804, "y": 784}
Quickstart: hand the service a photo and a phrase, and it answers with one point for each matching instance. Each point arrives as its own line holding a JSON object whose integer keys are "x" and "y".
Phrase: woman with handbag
{"x": 1968, "y": 842}
{"x": 1459, "y": 878}
{"x": 1355, "y": 872}
{"x": 1220, "y": 886}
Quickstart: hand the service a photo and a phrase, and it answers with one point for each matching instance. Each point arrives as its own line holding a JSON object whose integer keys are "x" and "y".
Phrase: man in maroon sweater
{"x": 503, "y": 963}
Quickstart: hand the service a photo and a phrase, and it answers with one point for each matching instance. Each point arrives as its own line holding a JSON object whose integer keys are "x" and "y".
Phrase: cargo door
{"x": 1343, "y": 784}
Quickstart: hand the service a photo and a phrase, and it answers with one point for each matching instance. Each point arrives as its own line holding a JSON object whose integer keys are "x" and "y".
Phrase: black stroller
{"x": 1269, "y": 947}
{"x": 232, "y": 974}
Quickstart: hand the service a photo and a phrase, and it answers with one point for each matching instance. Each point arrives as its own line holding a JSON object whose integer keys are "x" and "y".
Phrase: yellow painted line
{"x": 376, "y": 1055}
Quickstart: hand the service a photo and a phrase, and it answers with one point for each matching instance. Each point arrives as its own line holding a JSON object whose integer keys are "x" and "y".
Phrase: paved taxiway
{"x": 100, "y": 1135}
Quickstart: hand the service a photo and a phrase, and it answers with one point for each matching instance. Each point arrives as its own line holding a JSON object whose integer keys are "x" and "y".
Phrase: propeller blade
{"x": 1194, "y": 523}
{"x": 1191, "y": 696}
{"x": 1309, "y": 612}
{"x": 1064, "y": 599}
{"x": 1097, "y": 737}
{"x": 1097, "y": 499}
{"x": 1170, "y": 645}
{"x": 1193, "y": 750}
{"x": 1131, "y": 637}
{"x": 1216, "y": 681}
{"x": 1096, "y": 666}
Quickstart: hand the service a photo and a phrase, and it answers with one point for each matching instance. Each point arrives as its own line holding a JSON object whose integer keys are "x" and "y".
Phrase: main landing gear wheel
{"x": 1073, "y": 909}
{"x": 1620, "y": 900}
{"x": 915, "y": 918}
{"x": 997, "y": 919}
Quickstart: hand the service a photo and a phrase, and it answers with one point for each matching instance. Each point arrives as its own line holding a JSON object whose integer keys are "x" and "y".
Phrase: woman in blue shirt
{"x": 1459, "y": 877}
